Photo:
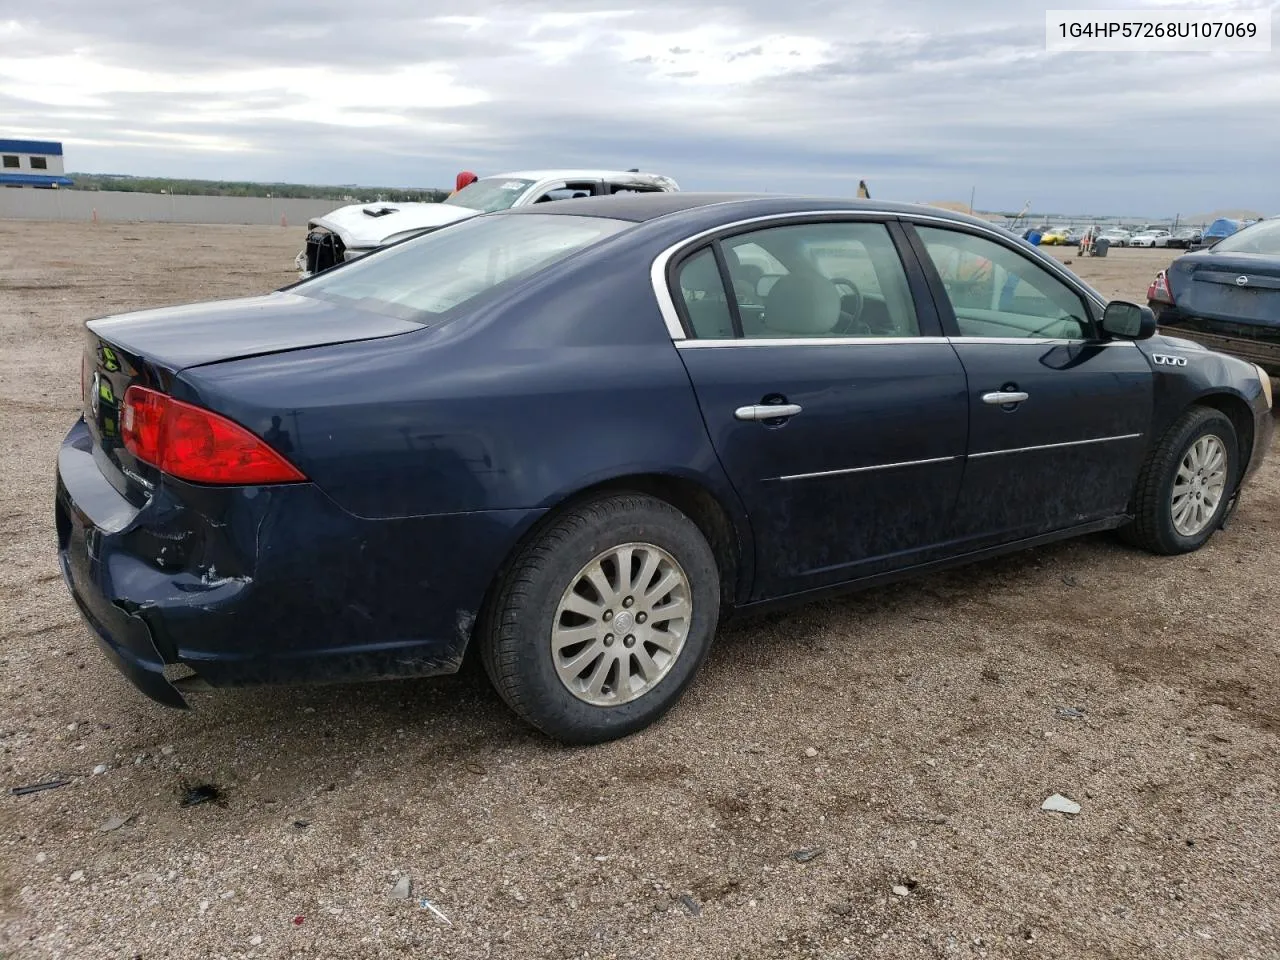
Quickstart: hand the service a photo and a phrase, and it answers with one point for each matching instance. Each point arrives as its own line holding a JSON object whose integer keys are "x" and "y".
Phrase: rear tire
{"x": 1185, "y": 485}
{"x": 586, "y": 651}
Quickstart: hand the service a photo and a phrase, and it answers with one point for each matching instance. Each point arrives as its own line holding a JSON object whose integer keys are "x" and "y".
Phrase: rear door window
{"x": 840, "y": 279}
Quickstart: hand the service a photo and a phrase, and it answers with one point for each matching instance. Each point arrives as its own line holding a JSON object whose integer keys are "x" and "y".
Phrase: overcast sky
{"x": 923, "y": 98}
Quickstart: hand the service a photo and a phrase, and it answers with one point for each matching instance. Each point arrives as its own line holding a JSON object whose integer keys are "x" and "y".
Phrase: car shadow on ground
{"x": 461, "y": 709}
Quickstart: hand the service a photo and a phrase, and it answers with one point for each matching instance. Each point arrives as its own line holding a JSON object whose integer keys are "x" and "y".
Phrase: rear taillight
{"x": 191, "y": 443}
{"x": 1158, "y": 292}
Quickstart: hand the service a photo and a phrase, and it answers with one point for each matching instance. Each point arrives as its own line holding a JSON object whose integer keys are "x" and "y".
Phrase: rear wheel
{"x": 604, "y": 619}
{"x": 1186, "y": 483}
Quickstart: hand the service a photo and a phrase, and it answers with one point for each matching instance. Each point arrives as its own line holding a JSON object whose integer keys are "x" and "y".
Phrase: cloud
{"x": 926, "y": 99}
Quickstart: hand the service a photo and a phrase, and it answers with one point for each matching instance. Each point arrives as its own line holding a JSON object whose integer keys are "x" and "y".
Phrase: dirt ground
{"x": 903, "y": 737}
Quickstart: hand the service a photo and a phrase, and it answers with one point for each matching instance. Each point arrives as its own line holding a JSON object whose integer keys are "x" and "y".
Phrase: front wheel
{"x": 1185, "y": 485}
{"x": 604, "y": 619}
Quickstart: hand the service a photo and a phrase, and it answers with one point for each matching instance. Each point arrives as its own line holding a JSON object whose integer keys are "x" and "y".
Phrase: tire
{"x": 1154, "y": 526}
{"x": 528, "y": 611}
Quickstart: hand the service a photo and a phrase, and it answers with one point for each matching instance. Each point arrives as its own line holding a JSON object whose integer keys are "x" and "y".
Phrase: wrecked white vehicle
{"x": 352, "y": 231}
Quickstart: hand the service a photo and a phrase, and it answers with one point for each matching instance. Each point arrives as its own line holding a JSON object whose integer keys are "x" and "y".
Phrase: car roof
{"x": 570, "y": 175}
{"x": 640, "y": 207}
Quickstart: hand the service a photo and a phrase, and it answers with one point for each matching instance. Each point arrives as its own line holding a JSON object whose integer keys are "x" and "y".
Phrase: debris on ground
{"x": 690, "y": 905}
{"x": 38, "y": 787}
{"x": 426, "y": 904}
{"x": 476, "y": 769}
{"x": 1060, "y": 804}
{"x": 299, "y": 920}
{"x": 201, "y": 793}
{"x": 115, "y": 822}
{"x": 76, "y": 876}
{"x": 166, "y": 750}
{"x": 100, "y": 769}
{"x": 302, "y": 824}
{"x": 403, "y": 890}
{"x": 810, "y": 752}
{"x": 1071, "y": 713}
{"x": 900, "y": 891}
{"x": 804, "y": 856}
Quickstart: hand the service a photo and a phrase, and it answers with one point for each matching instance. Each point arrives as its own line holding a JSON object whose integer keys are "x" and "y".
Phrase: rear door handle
{"x": 768, "y": 411}
{"x": 999, "y": 398}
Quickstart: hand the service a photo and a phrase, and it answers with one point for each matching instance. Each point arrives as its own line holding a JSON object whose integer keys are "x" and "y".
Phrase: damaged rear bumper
{"x": 247, "y": 586}
{"x": 125, "y": 639}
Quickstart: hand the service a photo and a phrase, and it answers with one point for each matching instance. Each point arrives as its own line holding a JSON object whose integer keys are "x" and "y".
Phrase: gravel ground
{"x": 856, "y": 778}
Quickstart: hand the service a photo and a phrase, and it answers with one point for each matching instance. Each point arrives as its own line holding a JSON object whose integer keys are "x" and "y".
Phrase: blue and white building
{"x": 32, "y": 163}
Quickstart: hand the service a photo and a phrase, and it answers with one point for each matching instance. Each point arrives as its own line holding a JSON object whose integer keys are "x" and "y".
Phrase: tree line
{"x": 244, "y": 188}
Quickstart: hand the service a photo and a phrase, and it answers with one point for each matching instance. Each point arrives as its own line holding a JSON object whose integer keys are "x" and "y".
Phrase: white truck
{"x": 352, "y": 231}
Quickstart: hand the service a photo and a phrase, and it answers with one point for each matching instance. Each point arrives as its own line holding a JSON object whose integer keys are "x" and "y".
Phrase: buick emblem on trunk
{"x": 1242, "y": 281}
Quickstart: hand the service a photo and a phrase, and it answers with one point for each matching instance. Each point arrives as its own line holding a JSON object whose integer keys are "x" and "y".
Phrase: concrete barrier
{"x": 158, "y": 207}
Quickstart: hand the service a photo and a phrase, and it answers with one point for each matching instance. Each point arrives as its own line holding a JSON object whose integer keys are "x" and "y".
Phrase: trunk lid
{"x": 149, "y": 348}
{"x": 1235, "y": 288}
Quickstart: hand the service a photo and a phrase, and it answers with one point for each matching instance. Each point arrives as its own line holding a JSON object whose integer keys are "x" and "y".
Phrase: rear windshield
{"x": 430, "y": 274}
{"x": 1263, "y": 237}
{"x": 490, "y": 194}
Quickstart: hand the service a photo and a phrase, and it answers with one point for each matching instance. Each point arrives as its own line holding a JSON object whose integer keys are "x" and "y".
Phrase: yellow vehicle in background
{"x": 1056, "y": 237}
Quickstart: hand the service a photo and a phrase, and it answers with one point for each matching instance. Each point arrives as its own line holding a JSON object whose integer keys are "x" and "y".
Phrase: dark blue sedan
{"x": 577, "y": 436}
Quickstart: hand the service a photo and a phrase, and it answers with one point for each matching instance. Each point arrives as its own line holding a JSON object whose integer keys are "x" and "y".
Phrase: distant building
{"x": 31, "y": 163}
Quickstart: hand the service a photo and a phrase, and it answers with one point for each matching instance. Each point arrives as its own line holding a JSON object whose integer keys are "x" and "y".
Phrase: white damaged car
{"x": 352, "y": 231}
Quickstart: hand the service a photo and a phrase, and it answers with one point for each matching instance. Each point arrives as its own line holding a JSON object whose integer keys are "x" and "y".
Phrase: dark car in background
{"x": 1226, "y": 297}
{"x": 574, "y": 437}
{"x": 1185, "y": 238}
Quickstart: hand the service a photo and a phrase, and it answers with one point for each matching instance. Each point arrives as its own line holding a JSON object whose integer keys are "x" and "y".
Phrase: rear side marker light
{"x": 194, "y": 444}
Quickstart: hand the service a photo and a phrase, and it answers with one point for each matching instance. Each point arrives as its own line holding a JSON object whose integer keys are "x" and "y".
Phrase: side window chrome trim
{"x": 695, "y": 344}
{"x": 671, "y": 317}
{"x": 1038, "y": 342}
{"x": 805, "y": 342}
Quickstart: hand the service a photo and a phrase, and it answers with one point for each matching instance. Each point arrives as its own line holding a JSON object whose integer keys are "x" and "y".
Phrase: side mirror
{"x": 1128, "y": 321}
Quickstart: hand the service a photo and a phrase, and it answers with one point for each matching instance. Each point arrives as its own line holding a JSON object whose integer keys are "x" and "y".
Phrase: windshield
{"x": 1263, "y": 237}
{"x": 428, "y": 275}
{"x": 490, "y": 194}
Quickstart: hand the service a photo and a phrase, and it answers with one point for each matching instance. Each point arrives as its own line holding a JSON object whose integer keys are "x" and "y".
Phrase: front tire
{"x": 1185, "y": 485}
{"x": 604, "y": 619}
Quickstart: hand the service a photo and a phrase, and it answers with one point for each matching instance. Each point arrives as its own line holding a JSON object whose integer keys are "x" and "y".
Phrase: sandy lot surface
{"x": 903, "y": 737}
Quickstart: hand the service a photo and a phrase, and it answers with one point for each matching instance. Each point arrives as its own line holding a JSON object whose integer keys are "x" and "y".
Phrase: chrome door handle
{"x": 767, "y": 411}
{"x": 1000, "y": 397}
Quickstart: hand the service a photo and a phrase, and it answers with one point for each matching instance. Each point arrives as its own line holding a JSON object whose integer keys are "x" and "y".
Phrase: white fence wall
{"x": 114, "y": 206}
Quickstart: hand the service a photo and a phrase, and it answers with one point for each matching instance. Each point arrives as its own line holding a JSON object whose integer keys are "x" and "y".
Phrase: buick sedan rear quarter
{"x": 577, "y": 437}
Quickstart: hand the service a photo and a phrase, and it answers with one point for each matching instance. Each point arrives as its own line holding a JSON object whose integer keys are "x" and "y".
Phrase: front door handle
{"x": 999, "y": 398}
{"x": 768, "y": 411}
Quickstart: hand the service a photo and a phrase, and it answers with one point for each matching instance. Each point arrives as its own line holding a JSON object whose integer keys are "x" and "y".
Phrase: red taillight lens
{"x": 1158, "y": 292}
{"x": 195, "y": 444}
